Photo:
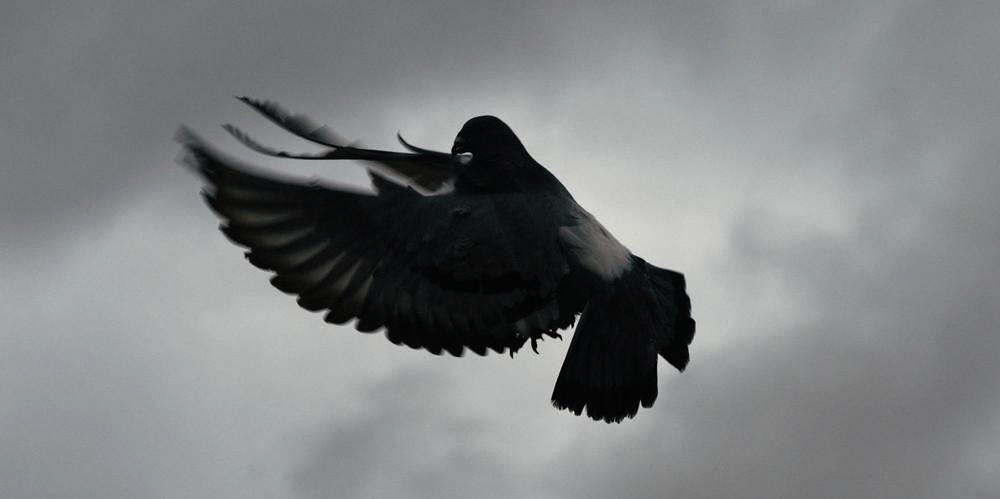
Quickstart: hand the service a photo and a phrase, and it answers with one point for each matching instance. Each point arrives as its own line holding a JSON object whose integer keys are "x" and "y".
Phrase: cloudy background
{"x": 825, "y": 174}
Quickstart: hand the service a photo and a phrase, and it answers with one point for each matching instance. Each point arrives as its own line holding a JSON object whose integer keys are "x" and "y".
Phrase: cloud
{"x": 823, "y": 172}
{"x": 402, "y": 446}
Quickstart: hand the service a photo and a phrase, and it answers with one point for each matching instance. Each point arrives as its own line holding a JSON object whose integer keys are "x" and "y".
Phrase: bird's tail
{"x": 610, "y": 367}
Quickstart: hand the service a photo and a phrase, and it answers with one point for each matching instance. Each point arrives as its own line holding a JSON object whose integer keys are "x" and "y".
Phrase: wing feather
{"x": 438, "y": 272}
{"x": 428, "y": 170}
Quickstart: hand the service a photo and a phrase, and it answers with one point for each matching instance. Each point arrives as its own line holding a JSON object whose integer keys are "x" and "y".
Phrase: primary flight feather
{"x": 480, "y": 248}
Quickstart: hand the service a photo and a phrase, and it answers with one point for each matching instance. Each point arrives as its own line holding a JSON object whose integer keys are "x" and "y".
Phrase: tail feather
{"x": 669, "y": 299}
{"x": 610, "y": 368}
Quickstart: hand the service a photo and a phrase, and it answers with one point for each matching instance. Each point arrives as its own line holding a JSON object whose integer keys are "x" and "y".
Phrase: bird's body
{"x": 481, "y": 248}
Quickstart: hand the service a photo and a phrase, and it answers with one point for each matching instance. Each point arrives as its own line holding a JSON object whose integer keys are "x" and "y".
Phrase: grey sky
{"x": 825, "y": 174}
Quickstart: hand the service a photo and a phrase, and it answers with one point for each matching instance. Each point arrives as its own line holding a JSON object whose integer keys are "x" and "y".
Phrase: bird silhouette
{"x": 479, "y": 248}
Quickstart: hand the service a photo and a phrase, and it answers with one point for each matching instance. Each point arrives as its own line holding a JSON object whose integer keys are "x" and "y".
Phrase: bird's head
{"x": 490, "y": 140}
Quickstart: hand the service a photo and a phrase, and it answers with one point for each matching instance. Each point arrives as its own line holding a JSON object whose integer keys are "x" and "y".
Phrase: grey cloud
{"x": 400, "y": 445}
{"x": 146, "y": 359}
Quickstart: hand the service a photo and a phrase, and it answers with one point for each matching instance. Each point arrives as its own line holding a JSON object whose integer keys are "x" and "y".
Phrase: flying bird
{"x": 479, "y": 248}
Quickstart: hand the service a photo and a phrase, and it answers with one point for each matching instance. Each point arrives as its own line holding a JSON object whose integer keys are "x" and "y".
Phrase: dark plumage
{"x": 481, "y": 249}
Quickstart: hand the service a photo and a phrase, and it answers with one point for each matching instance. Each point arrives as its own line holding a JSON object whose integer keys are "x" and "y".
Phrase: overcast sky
{"x": 824, "y": 173}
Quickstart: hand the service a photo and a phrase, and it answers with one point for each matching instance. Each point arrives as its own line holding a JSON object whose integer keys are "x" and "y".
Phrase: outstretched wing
{"x": 428, "y": 171}
{"x": 443, "y": 272}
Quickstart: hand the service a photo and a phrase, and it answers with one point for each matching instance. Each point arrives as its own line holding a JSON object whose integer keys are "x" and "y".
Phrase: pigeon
{"x": 480, "y": 248}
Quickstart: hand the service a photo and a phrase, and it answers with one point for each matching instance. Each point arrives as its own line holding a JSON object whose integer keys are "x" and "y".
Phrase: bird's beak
{"x": 457, "y": 147}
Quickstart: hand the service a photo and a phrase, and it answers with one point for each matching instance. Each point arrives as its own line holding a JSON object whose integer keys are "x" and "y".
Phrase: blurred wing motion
{"x": 426, "y": 170}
